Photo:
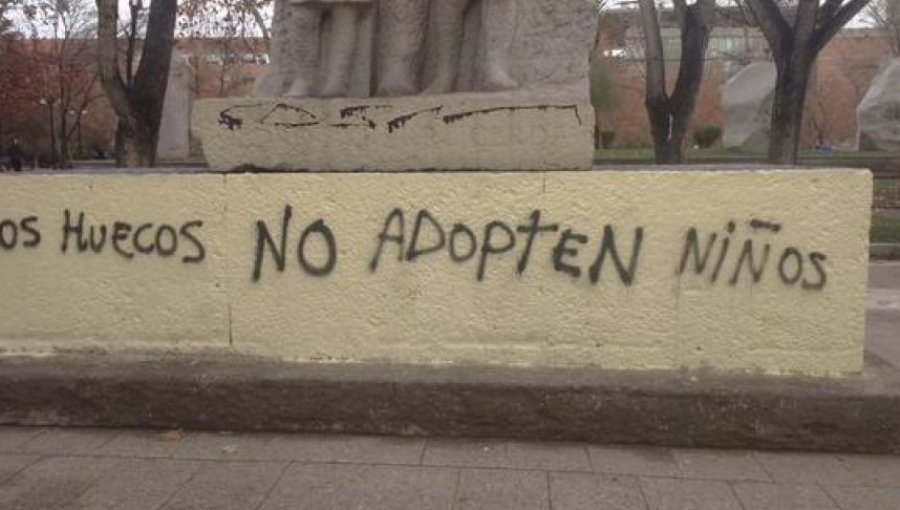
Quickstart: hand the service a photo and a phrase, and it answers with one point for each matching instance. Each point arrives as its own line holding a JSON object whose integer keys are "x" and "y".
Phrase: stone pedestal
{"x": 763, "y": 271}
{"x": 449, "y": 132}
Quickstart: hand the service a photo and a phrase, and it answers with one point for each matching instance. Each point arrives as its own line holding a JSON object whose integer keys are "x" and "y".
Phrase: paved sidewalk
{"x": 55, "y": 469}
{"x": 47, "y": 469}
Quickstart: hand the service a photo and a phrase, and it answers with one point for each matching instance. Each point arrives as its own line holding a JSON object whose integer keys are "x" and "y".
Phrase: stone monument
{"x": 175, "y": 126}
{"x": 414, "y": 84}
{"x": 878, "y": 115}
{"x": 747, "y": 100}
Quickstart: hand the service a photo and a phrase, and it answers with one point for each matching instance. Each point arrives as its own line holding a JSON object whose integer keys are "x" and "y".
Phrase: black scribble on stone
{"x": 345, "y": 125}
{"x": 229, "y": 118}
{"x": 765, "y": 225}
{"x": 295, "y": 124}
{"x": 456, "y": 117}
{"x": 398, "y": 122}
{"x": 229, "y": 121}
{"x": 351, "y": 111}
{"x": 304, "y": 117}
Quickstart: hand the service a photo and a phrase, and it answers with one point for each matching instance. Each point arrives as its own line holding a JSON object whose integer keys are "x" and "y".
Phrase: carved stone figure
{"x": 497, "y": 28}
{"x": 458, "y": 85}
{"x": 314, "y": 46}
{"x": 399, "y": 40}
{"x": 410, "y": 47}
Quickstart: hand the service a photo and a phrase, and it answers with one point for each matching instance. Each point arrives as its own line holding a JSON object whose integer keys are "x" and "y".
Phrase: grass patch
{"x": 877, "y": 161}
{"x": 886, "y": 227}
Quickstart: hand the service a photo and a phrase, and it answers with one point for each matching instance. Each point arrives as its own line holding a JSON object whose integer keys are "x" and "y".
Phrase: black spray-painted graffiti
{"x": 718, "y": 256}
{"x": 728, "y": 256}
{"x": 123, "y": 238}
{"x": 279, "y": 249}
{"x": 709, "y": 260}
{"x": 283, "y": 115}
{"x": 498, "y": 237}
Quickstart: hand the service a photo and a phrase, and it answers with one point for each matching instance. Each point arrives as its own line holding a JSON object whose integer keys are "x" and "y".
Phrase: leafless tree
{"x": 137, "y": 97}
{"x": 670, "y": 114}
{"x": 796, "y": 34}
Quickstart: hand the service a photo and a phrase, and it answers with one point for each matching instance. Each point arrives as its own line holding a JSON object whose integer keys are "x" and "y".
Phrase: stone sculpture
{"x": 426, "y": 47}
{"x": 878, "y": 115}
{"x": 314, "y": 47}
{"x": 496, "y": 31}
{"x": 747, "y": 100}
{"x": 415, "y": 84}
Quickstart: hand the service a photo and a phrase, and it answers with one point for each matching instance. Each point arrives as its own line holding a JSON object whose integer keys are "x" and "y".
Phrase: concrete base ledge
{"x": 885, "y": 251}
{"x": 659, "y": 408}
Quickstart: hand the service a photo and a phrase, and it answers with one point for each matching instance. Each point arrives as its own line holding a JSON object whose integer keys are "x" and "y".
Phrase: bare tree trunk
{"x": 138, "y": 105}
{"x": 670, "y": 116}
{"x": 788, "y": 105}
{"x": 795, "y": 48}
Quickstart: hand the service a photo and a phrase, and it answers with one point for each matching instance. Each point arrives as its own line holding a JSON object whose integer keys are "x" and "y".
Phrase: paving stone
{"x": 865, "y": 498}
{"x": 11, "y": 438}
{"x": 135, "y": 484}
{"x": 222, "y": 445}
{"x": 52, "y": 483}
{"x": 499, "y": 489}
{"x": 767, "y": 496}
{"x": 227, "y": 486}
{"x": 505, "y": 454}
{"x": 634, "y": 461}
{"x": 680, "y": 494}
{"x": 580, "y": 491}
{"x": 341, "y": 486}
{"x": 719, "y": 465}
{"x": 353, "y": 449}
{"x": 806, "y": 468}
{"x": 139, "y": 443}
{"x": 876, "y": 470}
{"x": 59, "y": 441}
{"x": 10, "y": 464}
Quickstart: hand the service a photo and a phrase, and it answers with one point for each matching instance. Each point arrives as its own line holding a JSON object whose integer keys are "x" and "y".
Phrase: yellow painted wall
{"x": 433, "y": 309}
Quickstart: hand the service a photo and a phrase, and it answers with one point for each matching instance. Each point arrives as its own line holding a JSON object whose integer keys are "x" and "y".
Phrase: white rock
{"x": 747, "y": 101}
{"x": 175, "y": 126}
{"x": 878, "y": 115}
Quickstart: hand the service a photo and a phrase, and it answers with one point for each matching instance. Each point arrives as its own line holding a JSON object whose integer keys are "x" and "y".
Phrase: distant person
{"x": 823, "y": 145}
{"x": 15, "y": 155}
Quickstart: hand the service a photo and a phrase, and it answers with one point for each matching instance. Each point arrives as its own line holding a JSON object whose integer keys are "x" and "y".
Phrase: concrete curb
{"x": 885, "y": 251}
{"x": 658, "y": 408}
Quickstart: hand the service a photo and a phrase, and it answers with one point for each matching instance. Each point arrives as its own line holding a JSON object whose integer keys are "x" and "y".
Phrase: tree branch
{"x": 653, "y": 52}
{"x": 698, "y": 21}
{"x": 153, "y": 71}
{"x": 805, "y": 24}
{"x": 772, "y": 23}
{"x": 831, "y": 26}
{"x": 107, "y": 61}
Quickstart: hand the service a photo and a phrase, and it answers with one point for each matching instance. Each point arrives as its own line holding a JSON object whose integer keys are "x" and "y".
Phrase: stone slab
{"x": 625, "y": 407}
{"x": 449, "y": 132}
{"x": 764, "y": 272}
{"x": 143, "y": 276}
{"x": 386, "y": 301}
